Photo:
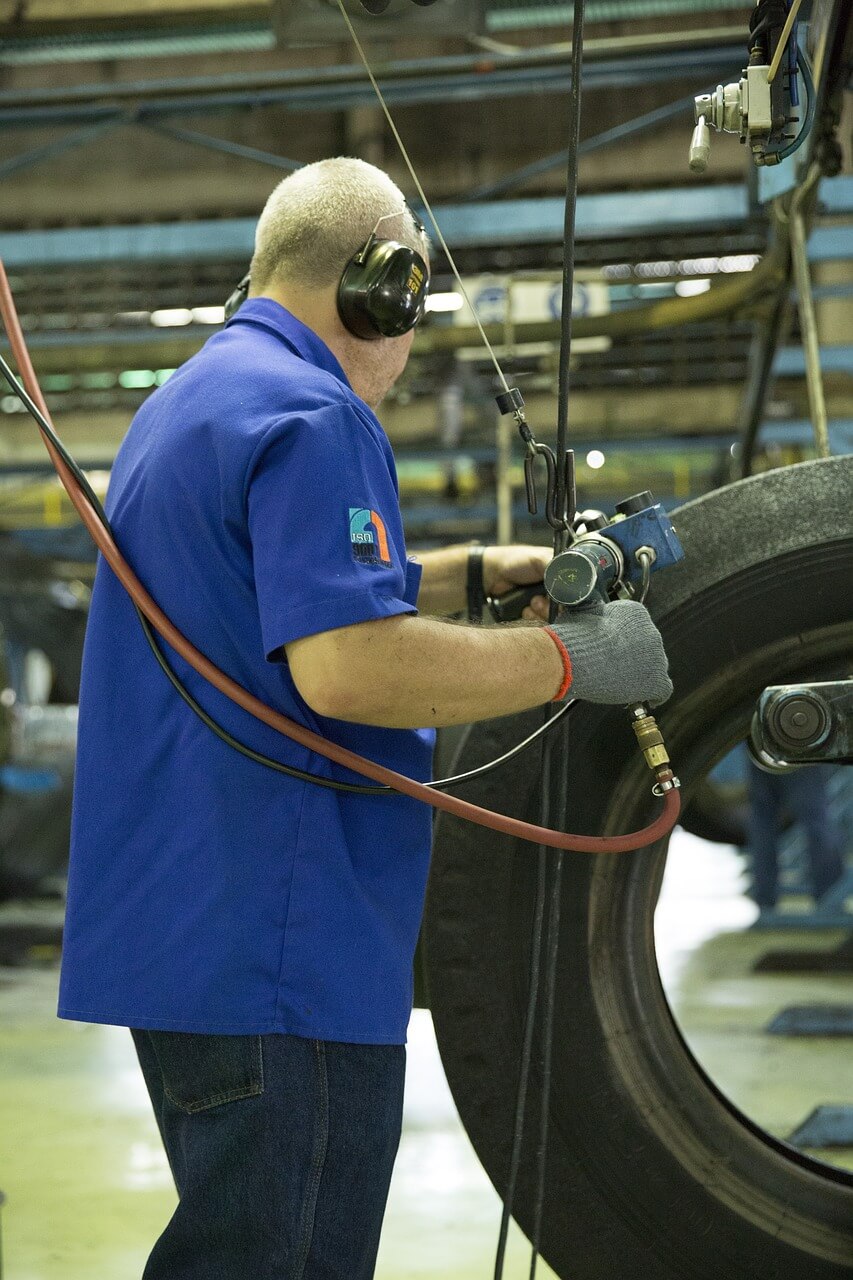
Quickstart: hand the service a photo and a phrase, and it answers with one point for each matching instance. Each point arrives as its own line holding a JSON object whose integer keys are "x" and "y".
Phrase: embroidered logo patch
{"x": 368, "y": 536}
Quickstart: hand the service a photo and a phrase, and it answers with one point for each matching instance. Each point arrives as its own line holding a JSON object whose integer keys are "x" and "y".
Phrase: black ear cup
{"x": 383, "y": 290}
{"x": 236, "y": 299}
{"x": 382, "y": 293}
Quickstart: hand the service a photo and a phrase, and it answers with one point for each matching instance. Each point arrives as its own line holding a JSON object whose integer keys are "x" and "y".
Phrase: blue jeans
{"x": 803, "y": 794}
{"x": 281, "y": 1150}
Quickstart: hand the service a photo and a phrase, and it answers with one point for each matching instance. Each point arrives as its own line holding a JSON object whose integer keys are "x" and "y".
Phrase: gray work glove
{"x": 617, "y": 653}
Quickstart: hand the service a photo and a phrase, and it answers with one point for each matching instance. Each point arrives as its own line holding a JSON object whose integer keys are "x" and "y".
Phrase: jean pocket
{"x": 201, "y": 1071}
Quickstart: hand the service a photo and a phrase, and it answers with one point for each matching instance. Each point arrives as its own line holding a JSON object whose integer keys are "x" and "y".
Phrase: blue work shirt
{"x": 255, "y": 496}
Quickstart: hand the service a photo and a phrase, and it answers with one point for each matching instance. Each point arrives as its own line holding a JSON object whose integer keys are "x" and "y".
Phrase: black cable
{"x": 548, "y": 747}
{"x": 526, "y": 1049}
{"x": 552, "y": 944}
{"x": 569, "y": 266}
{"x": 554, "y": 897}
{"x": 303, "y": 775}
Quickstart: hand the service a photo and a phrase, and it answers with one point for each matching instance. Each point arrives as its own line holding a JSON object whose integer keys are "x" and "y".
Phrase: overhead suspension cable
{"x": 422, "y": 194}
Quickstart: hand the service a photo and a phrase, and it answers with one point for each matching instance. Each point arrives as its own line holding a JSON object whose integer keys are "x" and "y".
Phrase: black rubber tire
{"x": 651, "y": 1172}
{"x": 715, "y": 814}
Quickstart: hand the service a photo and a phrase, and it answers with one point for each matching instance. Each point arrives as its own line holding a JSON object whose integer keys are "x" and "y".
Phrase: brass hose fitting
{"x": 651, "y": 743}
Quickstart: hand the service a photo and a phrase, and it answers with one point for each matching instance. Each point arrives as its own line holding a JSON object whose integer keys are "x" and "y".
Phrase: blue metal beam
{"x": 599, "y": 217}
{"x": 604, "y": 216}
{"x": 831, "y": 244}
{"x": 836, "y": 195}
{"x": 152, "y": 242}
{"x": 237, "y": 37}
{"x": 511, "y": 15}
{"x": 334, "y": 88}
{"x": 498, "y": 222}
{"x": 790, "y": 362}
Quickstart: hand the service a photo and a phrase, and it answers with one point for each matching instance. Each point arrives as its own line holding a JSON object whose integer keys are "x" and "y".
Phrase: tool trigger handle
{"x": 509, "y": 607}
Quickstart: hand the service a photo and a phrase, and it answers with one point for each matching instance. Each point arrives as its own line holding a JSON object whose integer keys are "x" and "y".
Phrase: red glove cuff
{"x": 567, "y": 666}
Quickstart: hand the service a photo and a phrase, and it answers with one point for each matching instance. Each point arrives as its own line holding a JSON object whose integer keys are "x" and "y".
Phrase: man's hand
{"x": 616, "y": 652}
{"x": 507, "y": 567}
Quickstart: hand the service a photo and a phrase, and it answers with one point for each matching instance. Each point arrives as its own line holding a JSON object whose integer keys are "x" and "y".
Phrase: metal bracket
{"x": 797, "y": 724}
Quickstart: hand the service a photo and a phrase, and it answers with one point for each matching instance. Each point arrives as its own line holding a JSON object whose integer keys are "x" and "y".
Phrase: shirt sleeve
{"x": 325, "y": 527}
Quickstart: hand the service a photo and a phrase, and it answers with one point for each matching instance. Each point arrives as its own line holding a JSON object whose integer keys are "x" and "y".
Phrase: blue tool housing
{"x": 650, "y": 527}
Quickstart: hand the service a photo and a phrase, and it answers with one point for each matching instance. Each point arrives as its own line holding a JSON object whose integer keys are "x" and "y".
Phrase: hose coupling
{"x": 649, "y": 738}
{"x": 651, "y": 743}
{"x": 666, "y": 781}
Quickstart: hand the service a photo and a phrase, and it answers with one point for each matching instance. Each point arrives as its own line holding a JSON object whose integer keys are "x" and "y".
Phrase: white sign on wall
{"x": 496, "y": 298}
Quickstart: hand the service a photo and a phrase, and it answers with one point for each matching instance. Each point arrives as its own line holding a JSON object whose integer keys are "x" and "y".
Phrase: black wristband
{"x": 474, "y": 587}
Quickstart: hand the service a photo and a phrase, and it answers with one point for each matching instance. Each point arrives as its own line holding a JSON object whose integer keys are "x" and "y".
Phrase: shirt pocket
{"x": 204, "y": 1071}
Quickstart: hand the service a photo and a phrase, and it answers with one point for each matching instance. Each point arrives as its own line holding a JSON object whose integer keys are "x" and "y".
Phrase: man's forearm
{"x": 443, "y": 583}
{"x": 414, "y": 672}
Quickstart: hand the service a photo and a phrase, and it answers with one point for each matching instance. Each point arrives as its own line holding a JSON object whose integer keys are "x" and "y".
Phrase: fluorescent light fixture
{"x": 739, "y": 262}
{"x": 445, "y": 302}
{"x": 617, "y": 271}
{"x": 137, "y": 379}
{"x": 690, "y": 288}
{"x": 208, "y": 315}
{"x": 663, "y": 269}
{"x": 655, "y": 270}
{"x": 171, "y": 317}
{"x": 595, "y": 459}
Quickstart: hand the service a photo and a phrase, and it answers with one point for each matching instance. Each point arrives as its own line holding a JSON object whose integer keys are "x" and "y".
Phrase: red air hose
{"x": 281, "y": 723}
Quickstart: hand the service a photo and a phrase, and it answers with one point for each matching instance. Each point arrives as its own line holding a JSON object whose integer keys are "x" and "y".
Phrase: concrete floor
{"x": 89, "y": 1189}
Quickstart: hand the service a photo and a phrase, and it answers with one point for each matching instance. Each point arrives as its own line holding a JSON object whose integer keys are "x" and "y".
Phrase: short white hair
{"x": 320, "y": 215}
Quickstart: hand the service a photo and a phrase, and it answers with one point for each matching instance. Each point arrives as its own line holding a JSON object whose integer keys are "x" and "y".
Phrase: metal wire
{"x": 426, "y": 204}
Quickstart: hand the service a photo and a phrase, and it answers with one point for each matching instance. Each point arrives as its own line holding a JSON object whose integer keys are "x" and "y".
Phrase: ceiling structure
{"x": 139, "y": 142}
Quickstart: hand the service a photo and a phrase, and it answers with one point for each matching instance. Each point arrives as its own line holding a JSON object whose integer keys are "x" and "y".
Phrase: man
{"x": 257, "y": 931}
{"x": 804, "y": 797}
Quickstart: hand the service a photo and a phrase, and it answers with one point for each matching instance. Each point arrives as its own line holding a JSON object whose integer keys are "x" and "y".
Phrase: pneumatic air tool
{"x": 609, "y": 558}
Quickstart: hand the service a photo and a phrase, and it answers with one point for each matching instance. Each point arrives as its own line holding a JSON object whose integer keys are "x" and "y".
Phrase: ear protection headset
{"x": 382, "y": 292}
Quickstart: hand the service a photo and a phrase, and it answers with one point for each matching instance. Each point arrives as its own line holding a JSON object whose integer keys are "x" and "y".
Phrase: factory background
{"x": 139, "y": 142}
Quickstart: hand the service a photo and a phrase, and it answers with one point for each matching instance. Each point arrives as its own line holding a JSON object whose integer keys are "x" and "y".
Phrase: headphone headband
{"x": 383, "y": 288}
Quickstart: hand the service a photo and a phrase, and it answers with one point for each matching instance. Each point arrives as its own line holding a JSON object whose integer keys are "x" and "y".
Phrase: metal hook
{"x": 555, "y": 519}
{"x": 512, "y": 402}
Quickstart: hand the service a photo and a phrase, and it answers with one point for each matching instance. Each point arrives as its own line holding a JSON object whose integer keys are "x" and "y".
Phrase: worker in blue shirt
{"x": 256, "y": 931}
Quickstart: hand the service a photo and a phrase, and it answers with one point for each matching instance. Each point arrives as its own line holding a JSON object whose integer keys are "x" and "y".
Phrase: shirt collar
{"x": 268, "y": 314}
